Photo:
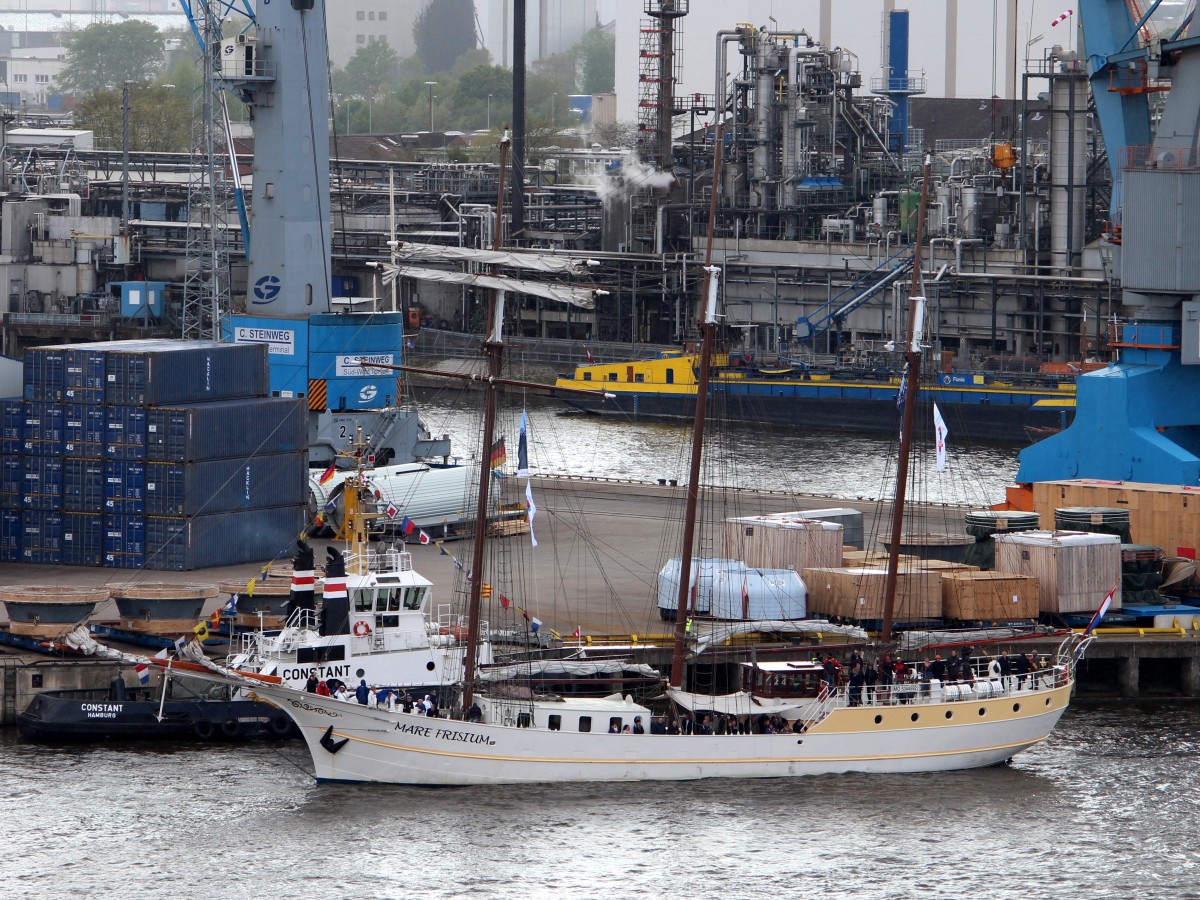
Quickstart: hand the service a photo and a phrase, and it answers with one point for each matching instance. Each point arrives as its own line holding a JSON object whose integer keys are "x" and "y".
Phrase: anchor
{"x": 330, "y": 744}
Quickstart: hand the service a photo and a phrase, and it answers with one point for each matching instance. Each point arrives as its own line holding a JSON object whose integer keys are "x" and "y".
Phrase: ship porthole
{"x": 878, "y": 719}
{"x": 949, "y": 714}
{"x": 1047, "y": 701}
{"x": 982, "y": 711}
{"x": 429, "y": 666}
{"x": 360, "y": 673}
{"x": 801, "y": 741}
{"x": 1016, "y": 707}
{"x": 916, "y": 716}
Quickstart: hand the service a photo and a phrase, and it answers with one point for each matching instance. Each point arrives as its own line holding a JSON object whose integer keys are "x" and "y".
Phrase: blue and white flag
{"x": 531, "y": 510}
{"x": 523, "y": 449}
{"x": 230, "y": 607}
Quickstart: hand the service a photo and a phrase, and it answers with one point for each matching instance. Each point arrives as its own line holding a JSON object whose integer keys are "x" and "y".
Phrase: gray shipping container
{"x": 157, "y": 373}
{"x": 226, "y": 539}
{"x": 222, "y": 485}
{"x": 226, "y": 429}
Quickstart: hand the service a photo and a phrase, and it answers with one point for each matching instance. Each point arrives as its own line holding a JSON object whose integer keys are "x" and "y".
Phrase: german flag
{"x": 497, "y": 458}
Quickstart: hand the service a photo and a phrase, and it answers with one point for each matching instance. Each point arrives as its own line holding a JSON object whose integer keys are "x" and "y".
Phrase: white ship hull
{"x": 399, "y": 748}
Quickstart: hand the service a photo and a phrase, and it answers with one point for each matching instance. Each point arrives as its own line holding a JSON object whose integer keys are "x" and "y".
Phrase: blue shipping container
{"x": 43, "y": 428}
{"x": 124, "y": 487}
{"x": 84, "y": 431}
{"x": 41, "y": 537}
{"x": 42, "y": 479}
{"x": 83, "y": 485}
{"x": 12, "y": 427}
{"x": 125, "y": 432}
{"x": 10, "y": 535}
{"x": 221, "y": 485}
{"x": 43, "y": 373}
{"x": 158, "y": 373}
{"x": 201, "y": 542}
{"x": 83, "y": 374}
{"x": 83, "y": 539}
{"x": 124, "y": 534}
{"x": 225, "y": 430}
{"x": 12, "y": 475}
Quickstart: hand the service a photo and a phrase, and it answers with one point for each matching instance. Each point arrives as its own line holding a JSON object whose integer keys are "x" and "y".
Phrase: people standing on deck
{"x": 311, "y": 685}
{"x": 1023, "y": 667}
{"x": 870, "y": 680}
{"x": 323, "y": 689}
{"x": 830, "y": 672}
{"x": 637, "y": 725}
{"x": 362, "y": 693}
{"x": 937, "y": 668}
{"x": 856, "y": 684}
{"x": 954, "y": 667}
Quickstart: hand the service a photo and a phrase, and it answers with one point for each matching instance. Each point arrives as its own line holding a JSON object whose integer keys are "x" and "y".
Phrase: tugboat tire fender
{"x": 280, "y": 726}
{"x": 203, "y": 729}
{"x": 229, "y": 728}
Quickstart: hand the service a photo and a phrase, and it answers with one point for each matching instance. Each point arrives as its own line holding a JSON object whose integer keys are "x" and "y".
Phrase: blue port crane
{"x": 1139, "y": 419}
{"x": 320, "y": 348}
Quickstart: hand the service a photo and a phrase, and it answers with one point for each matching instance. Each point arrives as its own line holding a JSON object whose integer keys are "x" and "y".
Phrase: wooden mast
{"x": 707, "y": 322}
{"x": 493, "y": 351}
{"x": 910, "y": 387}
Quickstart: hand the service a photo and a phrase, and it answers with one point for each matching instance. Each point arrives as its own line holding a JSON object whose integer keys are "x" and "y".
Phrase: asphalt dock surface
{"x": 597, "y": 540}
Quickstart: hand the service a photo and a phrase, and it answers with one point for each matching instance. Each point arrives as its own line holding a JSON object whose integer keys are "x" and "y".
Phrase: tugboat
{"x": 186, "y": 710}
{"x": 377, "y": 621}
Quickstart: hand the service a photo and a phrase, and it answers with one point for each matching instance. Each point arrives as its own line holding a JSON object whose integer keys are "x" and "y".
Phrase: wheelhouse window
{"x": 364, "y": 600}
{"x": 587, "y": 376}
{"x": 414, "y": 597}
{"x": 585, "y": 723}
{"x": 670, "y": 376}
{"x": 614, "y": 724}
{"x": 555, "y": 723}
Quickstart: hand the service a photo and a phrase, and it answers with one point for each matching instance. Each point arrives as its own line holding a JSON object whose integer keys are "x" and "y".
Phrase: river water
{"x": 1105, "y": 808}
{"x": 794, "y": 460}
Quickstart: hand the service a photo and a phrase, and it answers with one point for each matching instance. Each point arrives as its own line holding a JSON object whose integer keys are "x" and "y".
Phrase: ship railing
{"x": 386, "y": 560}
{"x": 922, "y": 693}
{"x": 255, "y": 644}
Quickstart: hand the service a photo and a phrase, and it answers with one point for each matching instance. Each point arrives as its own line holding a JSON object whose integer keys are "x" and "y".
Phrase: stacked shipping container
{"x": 150, "y": 454}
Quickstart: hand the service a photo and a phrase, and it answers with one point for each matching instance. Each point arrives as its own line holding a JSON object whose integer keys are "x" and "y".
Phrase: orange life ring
{"x": 361, "y": 628}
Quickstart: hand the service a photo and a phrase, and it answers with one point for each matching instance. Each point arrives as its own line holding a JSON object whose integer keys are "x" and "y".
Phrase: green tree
{"x": 596, "y": 53}
{"x": 373, "y": 67}
{"x": 443, "y": 31}
{"x": 159, "y": 118}
{"x": 106, "y": 56}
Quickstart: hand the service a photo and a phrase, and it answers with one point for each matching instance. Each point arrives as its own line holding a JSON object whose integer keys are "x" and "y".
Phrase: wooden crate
{"x": 873, "y": 558}
{"x": 989, "y": 596}
{"x": 943, "y": 566}
{"x": 768, "y": 542}
{"x": 1162, "y": 515}
{"x": 1075, "y": 570}
{"x": 857, "y": 593}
